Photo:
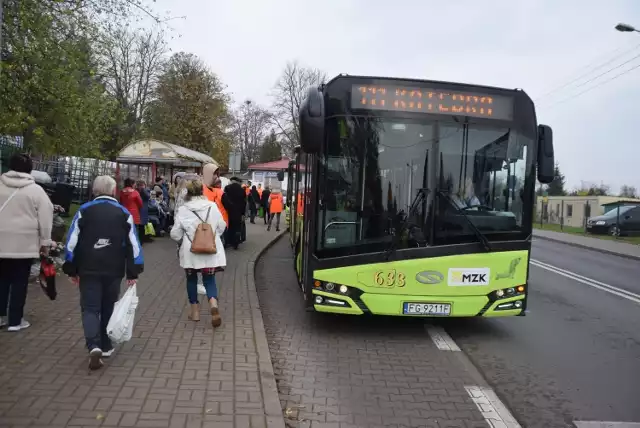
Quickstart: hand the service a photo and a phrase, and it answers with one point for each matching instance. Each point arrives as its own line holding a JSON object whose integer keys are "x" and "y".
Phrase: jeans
{"x": 277, "y": 216}
{"x": 208, "y": 280}
{"x": 98, "y": 294}
{"x": 14, "y": 280}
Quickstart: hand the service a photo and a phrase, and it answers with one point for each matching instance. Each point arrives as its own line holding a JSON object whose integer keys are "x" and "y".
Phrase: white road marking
{"x": 598, "y": 424}
{"x": 441, "y": 338}
{"x": 588, "y": 281}
{"x": 493, "y": 410}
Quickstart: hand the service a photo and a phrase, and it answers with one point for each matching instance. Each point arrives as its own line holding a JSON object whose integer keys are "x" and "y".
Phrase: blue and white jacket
{"x": 103, "y": 240}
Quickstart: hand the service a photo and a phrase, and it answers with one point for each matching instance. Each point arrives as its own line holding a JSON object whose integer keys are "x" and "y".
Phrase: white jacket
{"x": 26, "y": 219}
{"x": 187, "y": 222}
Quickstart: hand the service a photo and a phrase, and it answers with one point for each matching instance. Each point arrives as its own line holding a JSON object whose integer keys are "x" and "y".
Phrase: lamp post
{"x": 626, "y": 28}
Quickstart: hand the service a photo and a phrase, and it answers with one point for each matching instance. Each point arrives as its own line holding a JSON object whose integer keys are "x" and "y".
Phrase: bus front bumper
{"x": 393, "y": 305}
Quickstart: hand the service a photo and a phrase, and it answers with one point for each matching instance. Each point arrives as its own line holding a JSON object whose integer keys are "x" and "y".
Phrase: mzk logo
{"x": 471, "y": 276}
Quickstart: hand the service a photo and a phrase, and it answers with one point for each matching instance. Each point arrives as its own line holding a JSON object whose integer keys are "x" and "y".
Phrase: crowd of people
{"x": 105, "y": 238}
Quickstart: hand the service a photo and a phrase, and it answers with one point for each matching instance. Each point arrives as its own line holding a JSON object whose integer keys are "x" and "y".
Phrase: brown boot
{"x": 195, "y": 312}
{"x": 216, "y": 319}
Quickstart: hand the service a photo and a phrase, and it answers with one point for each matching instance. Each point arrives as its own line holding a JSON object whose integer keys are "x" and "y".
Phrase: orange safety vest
{"x": 215, "y": 196}
{"x": 275, "y": 203}
{"x": 300, "y": 205}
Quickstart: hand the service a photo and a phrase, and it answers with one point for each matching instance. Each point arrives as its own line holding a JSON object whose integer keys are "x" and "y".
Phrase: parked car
{"x": 622, "y": 221}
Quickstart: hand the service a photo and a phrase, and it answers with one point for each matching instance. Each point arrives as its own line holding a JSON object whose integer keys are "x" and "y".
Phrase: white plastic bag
{"x": 120, "y": 327}
{"x": 201, "y": 289}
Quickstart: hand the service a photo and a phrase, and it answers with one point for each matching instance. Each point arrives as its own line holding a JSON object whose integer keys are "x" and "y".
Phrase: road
{"x": 576, "y": 356}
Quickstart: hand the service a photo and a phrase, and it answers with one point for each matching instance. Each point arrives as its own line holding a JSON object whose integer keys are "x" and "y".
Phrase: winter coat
{"x": 26, "y": 220}
{"x": 131, "y": 200}
{"x": 103, "y": 241}
{"x": 186, "y": 222}
{"x": 235, "y": 202}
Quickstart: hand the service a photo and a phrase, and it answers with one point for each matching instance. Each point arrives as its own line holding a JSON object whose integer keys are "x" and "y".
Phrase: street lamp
{"x": 626, "y": 28}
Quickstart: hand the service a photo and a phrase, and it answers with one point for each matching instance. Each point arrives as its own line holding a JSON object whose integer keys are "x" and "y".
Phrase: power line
{"x": 589, "y": 71}
{"x": 593, "y": 87}
{"x": 606, "y": 72}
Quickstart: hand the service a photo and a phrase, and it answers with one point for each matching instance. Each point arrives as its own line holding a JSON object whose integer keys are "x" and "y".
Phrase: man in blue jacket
{"x": 102, "y": 247}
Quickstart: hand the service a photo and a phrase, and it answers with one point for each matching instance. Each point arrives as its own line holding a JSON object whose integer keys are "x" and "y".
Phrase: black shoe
{"x": 277, "y": 230}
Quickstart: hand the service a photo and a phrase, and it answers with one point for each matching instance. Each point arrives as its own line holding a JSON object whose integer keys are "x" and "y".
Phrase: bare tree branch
{"x": 288, "y": 94}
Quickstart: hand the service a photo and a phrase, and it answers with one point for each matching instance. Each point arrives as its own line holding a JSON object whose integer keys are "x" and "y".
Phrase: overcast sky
{"x": 536, "y": 45}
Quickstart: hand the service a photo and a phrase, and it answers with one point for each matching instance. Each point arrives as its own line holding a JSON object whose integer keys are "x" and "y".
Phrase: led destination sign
{"x": 433, "y": 101}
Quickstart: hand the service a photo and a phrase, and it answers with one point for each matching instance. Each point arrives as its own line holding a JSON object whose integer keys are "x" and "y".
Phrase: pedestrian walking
{"x": 102, "y": 247}
{"x": 26, "y": 220}
{"x": 192, "y": 221}
{"x": 234, "y": 201}
{"x": 276, "y": 204}
{"x": 145, "y": 195}
{"x": 264, "y": 200}
{"x": 131, "y": 200}
{"x": 254, "y": 203}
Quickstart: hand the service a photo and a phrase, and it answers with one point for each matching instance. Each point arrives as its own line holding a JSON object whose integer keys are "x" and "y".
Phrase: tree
{"x": 190, "y": 108}
{"x": 628, "y": 191}
{"x": 48, "y": 91}
{"x": 556, "y": 187}
{"x": 271, "y": 149}
{"x": 250, "y": 123}
{"x": 130, "y": 63}
{"x": 288, "y": 94}
{"x": 591, "y": 189}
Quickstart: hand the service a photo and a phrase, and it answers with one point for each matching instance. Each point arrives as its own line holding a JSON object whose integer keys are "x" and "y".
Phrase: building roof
{"x": 623, "y": 201}
{"x": 278, "y": 165}
{"x": 149, "y": 151}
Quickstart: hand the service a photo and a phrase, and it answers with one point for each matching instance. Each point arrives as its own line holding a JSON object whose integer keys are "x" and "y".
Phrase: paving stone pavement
{"x": 356, "y": 371}
{"x": 173, "y": 373}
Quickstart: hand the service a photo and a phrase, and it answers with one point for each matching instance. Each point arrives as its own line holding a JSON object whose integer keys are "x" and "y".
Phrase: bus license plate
{"x": 443, "y": 309}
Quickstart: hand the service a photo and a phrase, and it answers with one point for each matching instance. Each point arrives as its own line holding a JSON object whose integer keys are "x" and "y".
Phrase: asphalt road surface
{"x": 576, "y": 355}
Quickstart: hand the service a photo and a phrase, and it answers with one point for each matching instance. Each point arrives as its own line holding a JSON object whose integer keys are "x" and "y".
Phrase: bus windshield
{"x": 373, "y": 168}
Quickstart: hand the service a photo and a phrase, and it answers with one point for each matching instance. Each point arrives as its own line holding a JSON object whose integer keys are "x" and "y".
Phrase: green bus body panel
{"x": 504, "y": 270}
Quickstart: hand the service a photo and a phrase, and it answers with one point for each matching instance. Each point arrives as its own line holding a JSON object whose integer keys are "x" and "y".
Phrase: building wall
{"x": 269, "y": 178}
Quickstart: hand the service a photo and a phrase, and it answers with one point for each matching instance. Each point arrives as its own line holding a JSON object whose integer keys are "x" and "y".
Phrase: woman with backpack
{"x": 198, "y": 227}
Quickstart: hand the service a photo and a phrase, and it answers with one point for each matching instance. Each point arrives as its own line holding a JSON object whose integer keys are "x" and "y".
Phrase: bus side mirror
{"x": 546, "y": 162}
{"x": 311, "y": 117}
{"x": 280, "y": 175}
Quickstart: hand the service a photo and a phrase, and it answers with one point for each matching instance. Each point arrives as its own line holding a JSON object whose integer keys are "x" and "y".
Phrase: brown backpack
{"x": 204, "y": 240}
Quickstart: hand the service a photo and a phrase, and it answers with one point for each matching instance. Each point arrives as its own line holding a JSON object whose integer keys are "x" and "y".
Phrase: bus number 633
{"x": 389, "y": 278}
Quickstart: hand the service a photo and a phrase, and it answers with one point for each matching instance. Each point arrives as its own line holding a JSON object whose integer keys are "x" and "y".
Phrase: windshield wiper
{"x": 420, "y": 196}
{"x": 483, "y": 239}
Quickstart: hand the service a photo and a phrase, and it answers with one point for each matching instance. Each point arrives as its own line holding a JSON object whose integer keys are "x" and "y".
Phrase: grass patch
{"x": 580, "y": 231}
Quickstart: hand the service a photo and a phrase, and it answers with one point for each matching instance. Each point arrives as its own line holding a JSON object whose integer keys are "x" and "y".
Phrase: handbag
{"x": 204, "y": 240}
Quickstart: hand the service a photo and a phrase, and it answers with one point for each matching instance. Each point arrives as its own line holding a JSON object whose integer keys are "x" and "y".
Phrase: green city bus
{"x": 415, "y": 198}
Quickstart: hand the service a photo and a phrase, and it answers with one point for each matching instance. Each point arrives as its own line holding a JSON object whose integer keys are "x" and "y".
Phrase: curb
{"x": 586, "y": 247}
{"x": 270, "y": 396}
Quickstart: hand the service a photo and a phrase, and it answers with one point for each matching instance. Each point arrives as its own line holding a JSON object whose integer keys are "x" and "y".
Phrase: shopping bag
{"x": 201, "y": 289}
{"x": 120, "y": 327}
{"x": 47, "y": 277}
{"x": 149, "y": 230}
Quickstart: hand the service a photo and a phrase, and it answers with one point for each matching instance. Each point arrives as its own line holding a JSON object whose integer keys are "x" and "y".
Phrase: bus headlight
{"x": 343, "y": 289}
{"x": 329, "y": 286}
{"x": 319, "y": 300}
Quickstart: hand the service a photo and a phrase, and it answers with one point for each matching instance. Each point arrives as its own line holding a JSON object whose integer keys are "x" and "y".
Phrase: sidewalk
{"x": 615, "y": 248}
{"x": 173, "y": 373}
